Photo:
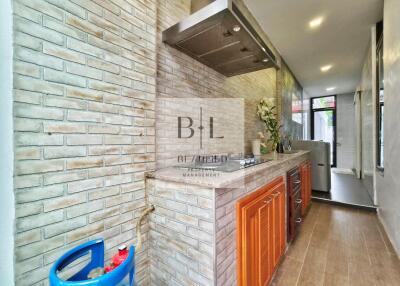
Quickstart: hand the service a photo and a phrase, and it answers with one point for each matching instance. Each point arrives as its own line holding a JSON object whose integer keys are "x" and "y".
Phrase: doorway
{"x": 323, "y": 122}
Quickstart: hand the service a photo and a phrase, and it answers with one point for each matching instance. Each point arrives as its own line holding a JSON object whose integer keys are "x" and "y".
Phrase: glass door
{"x": 323, "y": 122}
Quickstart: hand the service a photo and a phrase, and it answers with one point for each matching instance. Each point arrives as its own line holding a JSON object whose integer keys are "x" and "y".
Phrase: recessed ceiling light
{"x": 331, "y": 88}
{"x": 314, "y": 23}
{"x": 265, "y": 60}
{"x": 326, "y": 68}
{"x": 236, "y": 28}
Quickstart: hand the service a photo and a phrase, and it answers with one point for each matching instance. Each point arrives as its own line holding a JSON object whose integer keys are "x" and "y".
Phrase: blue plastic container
{"x": 96, "y": 248}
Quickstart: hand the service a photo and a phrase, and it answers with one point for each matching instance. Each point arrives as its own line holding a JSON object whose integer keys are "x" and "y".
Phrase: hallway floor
{"x": 339, "y": 246}
{"x": 346, "y": 189}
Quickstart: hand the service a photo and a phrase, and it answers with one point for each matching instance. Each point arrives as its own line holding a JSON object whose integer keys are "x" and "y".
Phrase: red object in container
{"x": 117, "y": 258}
{"x": 120, "y": 256}
{"x": 109, "y": 268}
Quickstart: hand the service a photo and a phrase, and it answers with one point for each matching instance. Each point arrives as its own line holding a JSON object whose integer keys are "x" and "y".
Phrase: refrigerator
{"x": 320, "y": 163}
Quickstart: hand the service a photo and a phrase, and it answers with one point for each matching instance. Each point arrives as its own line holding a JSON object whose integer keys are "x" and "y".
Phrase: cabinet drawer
{"x": 293, "y": 180}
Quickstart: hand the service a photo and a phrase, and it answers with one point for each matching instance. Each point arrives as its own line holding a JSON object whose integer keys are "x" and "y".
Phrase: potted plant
{"x": 263, "y": 145}
{"x": 265, "y": 112}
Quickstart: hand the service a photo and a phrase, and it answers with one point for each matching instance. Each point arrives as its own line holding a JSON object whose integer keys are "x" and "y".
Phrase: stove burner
{"x": 231, "y": 165}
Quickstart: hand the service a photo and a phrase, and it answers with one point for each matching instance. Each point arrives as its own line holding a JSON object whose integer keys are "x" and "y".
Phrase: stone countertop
{"x": 214, "y": 179}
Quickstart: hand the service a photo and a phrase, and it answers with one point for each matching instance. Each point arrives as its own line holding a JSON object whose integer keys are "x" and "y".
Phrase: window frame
{"x": 378, "y": 104}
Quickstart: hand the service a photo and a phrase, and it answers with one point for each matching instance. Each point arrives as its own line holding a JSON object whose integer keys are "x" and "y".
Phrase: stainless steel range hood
{"x": 221, "y": 37}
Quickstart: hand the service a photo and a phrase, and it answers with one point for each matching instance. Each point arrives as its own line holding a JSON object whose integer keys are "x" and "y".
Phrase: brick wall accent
{"x": 180, "y": 76}
{"x": 182, "y": 234}
{"x": 85, "y": 86}
{"x": 84, "y": 100}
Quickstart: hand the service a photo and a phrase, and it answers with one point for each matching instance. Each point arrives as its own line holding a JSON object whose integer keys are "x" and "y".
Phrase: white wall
{"x": 345, "y": 131}
{"x": 388, "y": 186}
{"x": 367, "y": 89}
{"x": 6, "y": 148}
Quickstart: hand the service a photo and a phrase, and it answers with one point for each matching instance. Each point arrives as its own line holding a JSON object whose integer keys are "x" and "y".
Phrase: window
{"x": 323, "y": 102}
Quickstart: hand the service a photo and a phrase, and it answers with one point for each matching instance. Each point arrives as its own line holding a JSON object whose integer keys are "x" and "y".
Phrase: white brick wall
{"x": 85, "y": 86}
{"x": 84, "y": 93}
{"x": 182, "y": 234}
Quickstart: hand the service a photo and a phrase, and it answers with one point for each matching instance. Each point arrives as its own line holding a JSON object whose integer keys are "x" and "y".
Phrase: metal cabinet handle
{"x": 299, "y": 220}
{"x": 299, "y": 201}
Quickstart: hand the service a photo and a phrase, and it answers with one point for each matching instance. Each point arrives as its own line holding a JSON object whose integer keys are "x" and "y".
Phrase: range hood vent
{"x": 221, "y": 37}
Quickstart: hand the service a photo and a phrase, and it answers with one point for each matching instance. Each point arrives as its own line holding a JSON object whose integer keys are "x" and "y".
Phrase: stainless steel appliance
{"x": 222, "y": 36}
{"x": 230, "y": 164}
{"x": 320, "y": 163}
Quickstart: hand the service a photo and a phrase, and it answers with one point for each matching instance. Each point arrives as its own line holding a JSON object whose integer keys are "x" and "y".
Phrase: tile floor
{"x": 346, "y": 189}
{"x": 339, "y": 246}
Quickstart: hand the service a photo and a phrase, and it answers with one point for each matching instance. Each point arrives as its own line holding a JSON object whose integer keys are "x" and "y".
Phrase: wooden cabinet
{"x": 305, "y": 173}
{"x": 260, "y": 233}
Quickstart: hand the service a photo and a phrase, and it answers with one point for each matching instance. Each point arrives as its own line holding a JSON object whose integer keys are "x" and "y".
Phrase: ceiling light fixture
{"x": 236, "y": 28}
{"x": 326, "y": 68}
{"x": 314, "y": 23}
{"x": 331, "y": 88}
{"x": 265, "y": 60}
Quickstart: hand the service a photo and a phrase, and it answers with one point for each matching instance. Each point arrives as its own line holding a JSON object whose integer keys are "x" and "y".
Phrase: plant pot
{"x": 256, "y": 145}
{"x": 279, "y": 148}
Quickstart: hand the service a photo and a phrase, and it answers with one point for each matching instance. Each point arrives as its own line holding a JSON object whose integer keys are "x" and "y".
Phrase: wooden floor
{"x": 339, "y": 246}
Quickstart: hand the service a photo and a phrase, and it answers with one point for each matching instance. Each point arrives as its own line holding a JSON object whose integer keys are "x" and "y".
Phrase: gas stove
{"x": 230, "y": 165}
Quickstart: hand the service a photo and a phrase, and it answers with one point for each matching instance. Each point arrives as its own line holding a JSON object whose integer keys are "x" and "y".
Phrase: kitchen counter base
{"x": 193, "y": 228}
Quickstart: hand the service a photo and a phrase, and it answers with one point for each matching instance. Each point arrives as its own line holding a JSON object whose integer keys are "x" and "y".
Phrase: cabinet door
{"x": 279, "y": 203}
{"x": 282, "y": 220}
{"x": 258, "y": 241}
{"x": 266, "y": 230}
{"x": 251, "y": 242}
{"x": 277, "y": 226}
{"x": 256, "y": 218}
{"x": 305, "y": 172}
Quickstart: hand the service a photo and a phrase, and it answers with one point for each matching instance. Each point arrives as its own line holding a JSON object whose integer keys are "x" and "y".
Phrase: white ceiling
{"x": 341, "y": 40}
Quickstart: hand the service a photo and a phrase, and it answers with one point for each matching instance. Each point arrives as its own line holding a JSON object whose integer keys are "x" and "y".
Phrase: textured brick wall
{"x": 180, "y": 76}
{"x": 85, "y": 86}
{"x": 182, "y": 234}
{"x": 84, "y": 93}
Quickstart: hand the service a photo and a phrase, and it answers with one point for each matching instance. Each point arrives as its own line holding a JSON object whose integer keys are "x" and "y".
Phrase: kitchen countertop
{"x": 215, "y": 179}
